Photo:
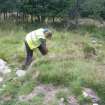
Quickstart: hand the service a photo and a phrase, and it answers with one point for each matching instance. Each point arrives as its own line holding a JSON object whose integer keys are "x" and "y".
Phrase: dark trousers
{"x": 29, "y": 55}
{"x": 42, "y": 49}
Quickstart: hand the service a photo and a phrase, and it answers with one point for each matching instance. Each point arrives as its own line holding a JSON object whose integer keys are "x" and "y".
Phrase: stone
{"x": 61, "y": 101}
{"x": 2, "y": 63}
{"x": 4, "y": 69}
{"x": 72, "y": 100}
{"x": 95, "y": 104}
{"x": 7, "y": 70}
{"x": 20, "y": 73}
{"x": 94, "y": 41}
{"x": 1, "y": 79}
{"x": 87, "y": 92}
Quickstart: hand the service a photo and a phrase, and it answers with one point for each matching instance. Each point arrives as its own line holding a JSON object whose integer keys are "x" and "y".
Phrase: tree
{"x": 92, "y": 7}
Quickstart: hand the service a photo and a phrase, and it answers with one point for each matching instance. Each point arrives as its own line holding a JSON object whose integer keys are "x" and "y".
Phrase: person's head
{"x": 48, "y": 33}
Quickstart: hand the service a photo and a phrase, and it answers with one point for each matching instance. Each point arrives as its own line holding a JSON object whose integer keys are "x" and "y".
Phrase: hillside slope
{"x": 76, "y": 60}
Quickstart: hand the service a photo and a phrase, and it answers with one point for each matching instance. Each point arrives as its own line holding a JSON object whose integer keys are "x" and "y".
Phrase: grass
{"x": 64, "y": 65}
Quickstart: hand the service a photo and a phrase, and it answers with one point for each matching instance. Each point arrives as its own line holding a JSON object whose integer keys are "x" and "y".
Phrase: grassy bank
{"x": 71, "y": 61}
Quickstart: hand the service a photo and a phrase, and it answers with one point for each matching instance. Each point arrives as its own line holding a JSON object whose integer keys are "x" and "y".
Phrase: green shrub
{"x": 89, "y": 51}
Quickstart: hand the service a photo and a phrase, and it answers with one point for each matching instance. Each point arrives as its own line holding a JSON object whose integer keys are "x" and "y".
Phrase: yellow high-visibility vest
{"x": 33, "y": 38}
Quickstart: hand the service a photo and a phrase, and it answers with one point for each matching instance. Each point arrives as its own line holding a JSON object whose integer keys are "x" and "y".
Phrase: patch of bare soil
{"x": 48, "y": 91}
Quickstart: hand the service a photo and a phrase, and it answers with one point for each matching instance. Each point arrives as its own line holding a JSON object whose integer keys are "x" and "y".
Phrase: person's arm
{"x": 43, "y": 49}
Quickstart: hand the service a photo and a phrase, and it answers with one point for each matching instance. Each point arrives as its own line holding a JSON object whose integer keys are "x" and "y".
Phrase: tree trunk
{"x": 39, "y": 20}
{"x": 17, "y": 17}
{"x": 77, "y": 12}
{"x": 6, "y": 15}
{"x": 53, "y": 19}
{"x": 31, "y": 18}
{"x": 0, "y": 15}
{"x": 42, "y": 19}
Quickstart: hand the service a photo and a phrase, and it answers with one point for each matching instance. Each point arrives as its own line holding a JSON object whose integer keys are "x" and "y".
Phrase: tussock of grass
{"x": 27, "y": 88}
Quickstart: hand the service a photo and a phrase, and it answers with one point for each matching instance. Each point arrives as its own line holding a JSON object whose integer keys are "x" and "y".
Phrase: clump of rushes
{"x": 89, "y": 51}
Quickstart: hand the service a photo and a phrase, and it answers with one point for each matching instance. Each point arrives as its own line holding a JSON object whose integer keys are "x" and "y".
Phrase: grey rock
{"x": 61, "y": 102}
{"x": 4, "y": 69}
{"x": 95, "y": 104}
{"x": 87, "y": 92}
{"x": 1, "y": 79}
{"x": 20, "y": 73}
{"x": 72, "y": 100}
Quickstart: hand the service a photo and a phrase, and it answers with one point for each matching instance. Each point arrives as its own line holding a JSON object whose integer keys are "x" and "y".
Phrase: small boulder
{"x": 94, "y": 41}
{"x": 20, "y": 73}
{"x": 87, "y": 92}
{"x": 2, "y": 63}
{"x": 4, "y": 69}
{"x": 1, "y": 79}
{"x": 95, "y": 104}
{"x": 72, "y": 100}
{"x": 61, "y": 102}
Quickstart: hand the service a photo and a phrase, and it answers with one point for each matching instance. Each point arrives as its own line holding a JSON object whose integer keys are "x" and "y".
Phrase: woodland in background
{"x": 30, "y": 11}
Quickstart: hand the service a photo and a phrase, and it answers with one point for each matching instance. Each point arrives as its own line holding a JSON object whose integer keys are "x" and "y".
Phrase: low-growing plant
{"x": 89, "y": 51}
